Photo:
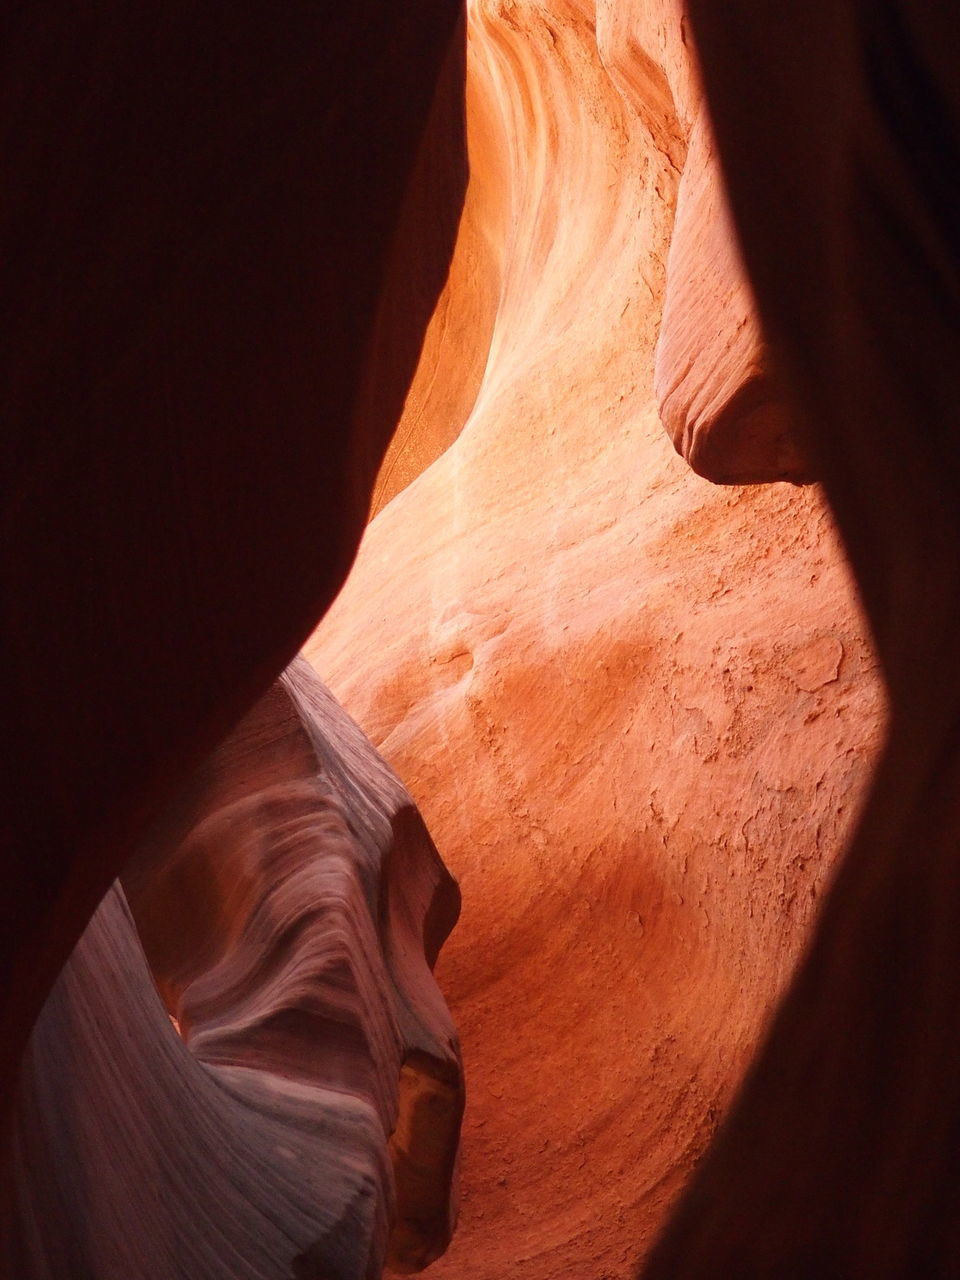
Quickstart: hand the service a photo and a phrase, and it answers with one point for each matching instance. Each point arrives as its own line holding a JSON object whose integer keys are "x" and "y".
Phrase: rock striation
{"x": 292, "y": 1108}
{"x": 638, "y": 711}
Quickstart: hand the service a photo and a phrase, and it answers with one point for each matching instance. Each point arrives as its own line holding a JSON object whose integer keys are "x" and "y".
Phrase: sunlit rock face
{"x": 637, "y": 710}
{"x": 304, "y": 1122}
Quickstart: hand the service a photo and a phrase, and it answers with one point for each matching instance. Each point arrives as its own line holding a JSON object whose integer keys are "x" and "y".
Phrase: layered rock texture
{"x": 637, "y": 710}
{"x": 718, "y": 396}
{"x": 305, "y": 1119}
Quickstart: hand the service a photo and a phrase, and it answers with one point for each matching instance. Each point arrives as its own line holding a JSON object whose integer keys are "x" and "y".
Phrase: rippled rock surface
{"x": 304, "y": 1122}
{"x": 637, "y": 709}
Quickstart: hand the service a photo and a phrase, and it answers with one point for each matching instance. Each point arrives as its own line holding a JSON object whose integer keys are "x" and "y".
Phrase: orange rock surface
{"x": 636, "y": 710}
{"x": 838, "y": 126}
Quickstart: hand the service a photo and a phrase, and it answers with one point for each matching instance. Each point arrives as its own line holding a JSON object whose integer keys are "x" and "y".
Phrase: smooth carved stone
{"x": 572, "y": 649}
{"x": 719, "y": 400}
{"x": 306, "y": 1124}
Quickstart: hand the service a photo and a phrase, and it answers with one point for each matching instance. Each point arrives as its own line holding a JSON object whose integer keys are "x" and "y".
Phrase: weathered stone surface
{"x": 838, "y": 129}
{"x": 639, "y": 708}
{"x": 583, "y": 660}
{"x": 306, "y": 1123}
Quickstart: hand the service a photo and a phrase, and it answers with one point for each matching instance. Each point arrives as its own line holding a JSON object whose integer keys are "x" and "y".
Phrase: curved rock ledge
{"x": 718, "y": 397}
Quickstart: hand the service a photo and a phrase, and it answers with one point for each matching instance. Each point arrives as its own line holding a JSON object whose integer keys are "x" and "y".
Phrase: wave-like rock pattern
{"x": 304, "y": 1122}
{"x": 637, "y": 710}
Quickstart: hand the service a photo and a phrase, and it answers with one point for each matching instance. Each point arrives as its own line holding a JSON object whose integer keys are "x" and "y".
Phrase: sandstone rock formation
{"x": 841, "y": 1156}
{"x": 636, "y": 710}
{"x": 216, "y": 279}
{"x": 215, "y": 285}
{"x": 289, "y": 908}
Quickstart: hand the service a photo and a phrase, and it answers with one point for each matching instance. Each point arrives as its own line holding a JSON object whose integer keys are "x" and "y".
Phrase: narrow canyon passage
{"x": 636, "y": 709}
{"x": 480, "y": 553}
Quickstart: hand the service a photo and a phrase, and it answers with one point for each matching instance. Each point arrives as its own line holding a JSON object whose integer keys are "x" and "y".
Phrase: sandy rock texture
{"x": 636, "y": 710}
{"x": 304, "y": 1122}
{"x": 840, "y": 1157}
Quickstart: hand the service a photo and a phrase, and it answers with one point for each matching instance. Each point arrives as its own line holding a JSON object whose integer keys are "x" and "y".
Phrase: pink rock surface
{"x": 636, "y": 710}
{"x": 216, "y": 281}
{"x": 640, "y": 711}
{"x": 288, "y": 910}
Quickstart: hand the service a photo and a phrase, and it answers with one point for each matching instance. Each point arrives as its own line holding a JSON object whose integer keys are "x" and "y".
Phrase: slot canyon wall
{"x": 637, "y": 709}
{"x": 224, "y": 230}
{"x": 303, "y": 1118}
{"x": 840, "y": 1157}
{"x": 633, "y": 699}
{"x": 215, "y": 296}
